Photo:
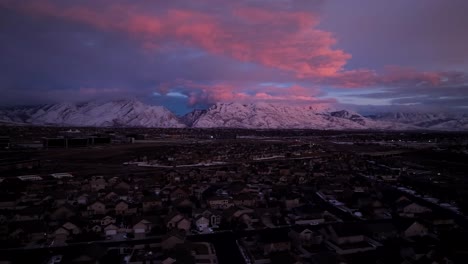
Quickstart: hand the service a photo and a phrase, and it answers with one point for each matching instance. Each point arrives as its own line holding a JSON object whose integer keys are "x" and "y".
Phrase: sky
{"x": 366, "y": 55}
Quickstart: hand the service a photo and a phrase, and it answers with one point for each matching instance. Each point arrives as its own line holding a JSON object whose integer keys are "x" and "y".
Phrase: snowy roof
{"x": 61, "y": 175}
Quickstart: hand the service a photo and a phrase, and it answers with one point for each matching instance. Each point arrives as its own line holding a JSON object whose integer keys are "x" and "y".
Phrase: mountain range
{"x": 132, "y": 113}
{"x": 120, "y": 113}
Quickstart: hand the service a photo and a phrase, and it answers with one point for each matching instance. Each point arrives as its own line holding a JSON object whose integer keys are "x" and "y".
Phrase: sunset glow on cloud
{"x": 202, "y": 52}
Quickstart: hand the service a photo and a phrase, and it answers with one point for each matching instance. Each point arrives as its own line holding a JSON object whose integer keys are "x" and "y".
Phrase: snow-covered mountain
{"x": 350, "y": 116}
{"x": 124, "y": 113}
{"x": 191, "y": 117}
{"x": 132, "y": 113}
{"x": 434, "y": 121}
{"x": 270, "y": 116}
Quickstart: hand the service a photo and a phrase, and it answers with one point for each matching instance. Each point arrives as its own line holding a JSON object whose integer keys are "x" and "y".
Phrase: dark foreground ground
{"x": 435, "y": 165}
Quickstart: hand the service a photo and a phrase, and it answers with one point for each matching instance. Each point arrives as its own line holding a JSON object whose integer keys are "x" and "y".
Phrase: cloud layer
{"x": 201, "y": 52}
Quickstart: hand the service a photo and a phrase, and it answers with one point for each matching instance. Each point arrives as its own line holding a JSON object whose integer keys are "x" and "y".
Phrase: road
{"x": 460, "y": 219}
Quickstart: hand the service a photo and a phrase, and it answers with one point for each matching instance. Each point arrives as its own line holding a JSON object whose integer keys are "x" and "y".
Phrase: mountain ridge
{"x": 129, "y": 113}
{"x": 133, "y": 113}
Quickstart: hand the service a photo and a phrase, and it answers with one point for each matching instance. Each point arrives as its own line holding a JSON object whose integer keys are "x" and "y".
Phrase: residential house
{"x": 305, "y": 236}
{"x": 440, "y": 222}
{"x": 264, "y": 248}
{"x": 82, "y": 199}
{"x": 179, "y": 193}
{"x": 410, "y": 209}
{"x": 63, "y": 212}
{"x": 275, "y": 241}
{"x": 308, "y": 214}
{"x": 214, "y": 216}
{"x": 237, "y": 187}
{"x": 96, "y": 229}
{"x": 74, "y": 229}
{"x": 244, "y": 217}
{"x": 301, "y": 177}
{"x": 202, "y": 223}
{"x": 28, "y": 231}
{"x": 291, "y": 202}
{"x": 219, "y": 202}
{"x": 97, "y": 208}
{"x": 64, "y": 232}
{"x": 382, "y": 231}
{"x": 111, "y": 230}
{"x": 415, "y": 228}
{"x": 173, "y": 238}
{"x": 122, "y": 186}
{"x": 142, "y": 227}
{"x": 98, "y": 183}
{"x": 122, "y": 194}
{"x": 176, "y": 220}
{"x": 348, "y": 239}
{"x": 60, "y": 198}
{"x": 150, "y": 203}
{"x": 307, "y": 241}
{"x": 121, "y": 208}
{"x": 107, "y": 220}
{"x": 182, "y": 203}
{"x": 30, "y": 213}
{"x": 111, "y": 196}
{"x": 245, "y": 199}
{"x": 198, "y": 190}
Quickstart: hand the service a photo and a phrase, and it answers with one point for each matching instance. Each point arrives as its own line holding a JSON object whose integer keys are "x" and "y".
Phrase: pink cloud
{"x": 242, "y": 92}
{"x": 284, "y": 40}
{"x": 395, "y": 74}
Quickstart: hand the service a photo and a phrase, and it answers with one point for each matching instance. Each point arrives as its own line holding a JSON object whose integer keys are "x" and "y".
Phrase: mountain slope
{"x": 191, "y": 117}
{"x": 271, "y": 116}
{"x": 124, "y": 113}
{"x": 131, "y": 113}
{"x": 433, "y": 121}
